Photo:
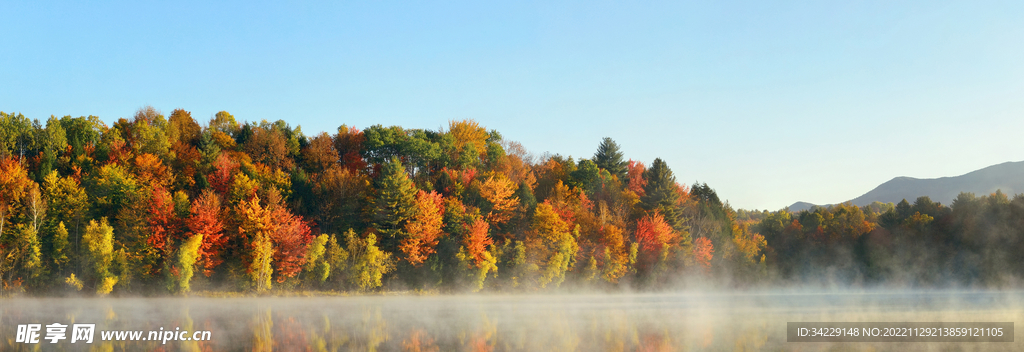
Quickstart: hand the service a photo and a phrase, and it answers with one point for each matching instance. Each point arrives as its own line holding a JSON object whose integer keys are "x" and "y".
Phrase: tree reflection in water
{"x": 487, "y": 323}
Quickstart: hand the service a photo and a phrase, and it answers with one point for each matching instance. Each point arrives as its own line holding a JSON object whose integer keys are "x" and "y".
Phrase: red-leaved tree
{"x": 205, "y": 218}
{"x": 348, "y": 142}
{"x": 163, "y": 224}
{"x": 291, "y": 238}
{"x": 224, "y": 170}
{"x": 635, "y": 172}
{"x": 653, "y": 234}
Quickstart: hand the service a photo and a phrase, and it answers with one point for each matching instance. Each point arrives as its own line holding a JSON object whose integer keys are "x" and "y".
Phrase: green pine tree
{"x": 660, "y": 193}
{"x": 609, "y": 157}
{"x": 393, "y": 204}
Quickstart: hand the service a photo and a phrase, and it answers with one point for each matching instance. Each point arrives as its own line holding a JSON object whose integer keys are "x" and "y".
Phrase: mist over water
{"x": 601, "y": 322}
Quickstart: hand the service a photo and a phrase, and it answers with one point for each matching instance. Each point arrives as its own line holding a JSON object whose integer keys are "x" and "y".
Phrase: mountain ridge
{"x": 1007, "y": 177}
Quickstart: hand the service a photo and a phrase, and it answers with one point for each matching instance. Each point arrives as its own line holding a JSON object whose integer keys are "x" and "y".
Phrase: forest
{"x": 157, "y": 205}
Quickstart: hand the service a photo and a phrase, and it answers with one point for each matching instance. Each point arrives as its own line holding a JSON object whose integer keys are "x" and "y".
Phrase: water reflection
{"x": 500, "y": 323}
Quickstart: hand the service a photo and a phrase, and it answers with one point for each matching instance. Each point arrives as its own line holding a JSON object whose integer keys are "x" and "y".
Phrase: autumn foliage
{"x": 500, "y": 193}
{"x": 163, "y": 223}
{"x": 424, "y": 229}
{"x": 205, "y": 219}
{"x": 477, "y": 240}
{"x": 703, "y": 251}
{"x": 653, "y": 233}
{"x": 136, "y": 206}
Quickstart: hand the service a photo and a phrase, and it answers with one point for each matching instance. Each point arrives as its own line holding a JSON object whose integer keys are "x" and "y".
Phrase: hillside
{"x": 801, "y": 206}
{"x": 1008, "y": 177}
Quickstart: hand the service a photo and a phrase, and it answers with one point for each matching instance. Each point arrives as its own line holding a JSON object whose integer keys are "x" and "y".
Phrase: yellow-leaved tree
{"x": 551, "y": 246}
{"x": 99, "y": 239}
{"x": 257, "y": 227}
{"x": 188, "y": 255}
{"x": 499, "y": 191}
{"x": 367, "y": 263}
{"x": 469, "y": 138}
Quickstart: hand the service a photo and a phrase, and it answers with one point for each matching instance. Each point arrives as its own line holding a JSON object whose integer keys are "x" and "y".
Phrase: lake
{"x": 569, "y": 322}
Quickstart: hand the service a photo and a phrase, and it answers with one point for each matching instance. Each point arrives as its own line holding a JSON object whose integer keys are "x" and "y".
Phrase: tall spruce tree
{"x": 609, "y": 157}
{"x": 660, "y": 193}
{"x": 393, "y": 204}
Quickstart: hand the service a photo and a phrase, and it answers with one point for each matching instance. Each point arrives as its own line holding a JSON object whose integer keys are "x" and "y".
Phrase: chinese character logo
{"x": 28, "y": 333}
{"x": 82, "y": 332}
{"x": 55, "y": 332}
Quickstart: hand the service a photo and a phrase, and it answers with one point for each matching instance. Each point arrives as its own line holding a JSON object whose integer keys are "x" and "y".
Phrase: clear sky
{"x": 769, "y": 102}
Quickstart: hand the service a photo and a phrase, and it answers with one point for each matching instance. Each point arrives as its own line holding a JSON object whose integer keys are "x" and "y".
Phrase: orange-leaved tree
{"x": 205, "y": 219}
{"x": 149, "y": 169}
{"x": 703, "y": 251}
{"x": 19, "y": 249}
{"x": 477, "y": 240}
{"x": 474, "y": 253}
{"x": 14, "y": 183}
{"x": 424, "y": 229}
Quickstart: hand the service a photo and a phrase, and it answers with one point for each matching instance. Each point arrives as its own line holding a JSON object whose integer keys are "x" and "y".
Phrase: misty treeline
{"x": 154, "y": 205}
{"x": 976, "y": 242}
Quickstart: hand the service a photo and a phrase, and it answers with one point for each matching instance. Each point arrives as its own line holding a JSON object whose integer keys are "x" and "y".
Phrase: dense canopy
{"x": 154, "y": 205}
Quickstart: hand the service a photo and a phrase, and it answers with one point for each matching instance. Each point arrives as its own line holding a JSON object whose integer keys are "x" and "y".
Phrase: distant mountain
{"x": 800, "y": 206}
{"x": 1008, "y": 177}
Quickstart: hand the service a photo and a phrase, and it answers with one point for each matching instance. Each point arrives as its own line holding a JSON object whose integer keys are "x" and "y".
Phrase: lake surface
{"x": 613, "y": 322}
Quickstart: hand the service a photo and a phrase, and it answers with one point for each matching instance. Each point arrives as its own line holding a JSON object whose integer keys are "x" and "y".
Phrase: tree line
{"x": 158, "y": 205}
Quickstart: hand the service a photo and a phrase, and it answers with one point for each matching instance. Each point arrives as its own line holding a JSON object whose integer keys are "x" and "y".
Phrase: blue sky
{"x": 767, "y": 102}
